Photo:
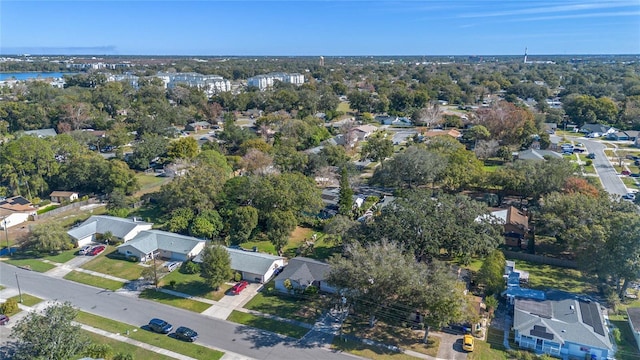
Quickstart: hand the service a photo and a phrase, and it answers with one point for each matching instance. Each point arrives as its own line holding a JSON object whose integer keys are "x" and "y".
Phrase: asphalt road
{"x": 216, "y": 333}
{"x": 608, "y": 176}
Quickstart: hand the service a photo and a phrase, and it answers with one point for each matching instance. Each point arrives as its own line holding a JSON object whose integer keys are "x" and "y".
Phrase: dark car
{"x": 237, "y": 288}
{"x": 635, "y": 175}
{"x": 4, "y": 319}
{"x": 186, "y": 334}
{"x": 591, "y": 156}
{"x": 160, "y": 326}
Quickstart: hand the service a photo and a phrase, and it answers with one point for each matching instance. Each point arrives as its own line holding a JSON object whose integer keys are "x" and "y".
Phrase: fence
{"x": 539, "y": 259}
{"x": 62, "y": 209}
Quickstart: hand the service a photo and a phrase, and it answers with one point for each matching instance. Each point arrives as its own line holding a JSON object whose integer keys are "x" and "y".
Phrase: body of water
{"x": 31, "y": 75}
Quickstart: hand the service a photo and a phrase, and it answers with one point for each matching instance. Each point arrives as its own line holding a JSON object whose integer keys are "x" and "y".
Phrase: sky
{"x": 324, "y": 27}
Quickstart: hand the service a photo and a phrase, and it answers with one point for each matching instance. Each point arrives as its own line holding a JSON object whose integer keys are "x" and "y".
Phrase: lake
{"x": 31, "y": 75}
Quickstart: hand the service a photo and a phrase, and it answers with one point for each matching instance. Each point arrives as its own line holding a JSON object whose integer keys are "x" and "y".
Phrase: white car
{"x": 172, "y": 265}
{"x": 84, "y": 250}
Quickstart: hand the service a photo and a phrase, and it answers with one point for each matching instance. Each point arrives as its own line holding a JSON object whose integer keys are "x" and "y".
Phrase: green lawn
{"x": 629, "y": 182}
{"x": 264, "y": 323}
{"x": 33, "y": 264}
{"x": 274, "y": 303}
{"x": 627, "y": 349}
{"x": 168, "y": 299}
{"x": 491, "y": 168}
{"x": 321, "y": 251}
{"x": 92, "y": 280}
{"x": 125, "y": 348}
{"x": 492, "y": 349}
{"x": 192, "y": 284}
{"x": 63, "y": 256}
{"x": 123, "y": 269}
{"x": 370, "y": 352}
{"x": 550, "y": 277}
{"x": 344, "y": 107}
{"x": 162, "y": 341}
{"x": 27, "y": 300}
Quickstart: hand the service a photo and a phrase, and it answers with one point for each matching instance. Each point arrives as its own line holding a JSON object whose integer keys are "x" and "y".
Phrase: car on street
{"x": 186, "y": 334}
{"x": 467, "y": 342}
{"x": 84, "y": 250}
{"x": 96, "y": 250}
{"x": 160, "y": 326}
{"x": 635, "y": 175}
{"x": 237, "y": 288}
{"x": 4, "y": 319}
{"x": 629, "y": 196}
{"x": 591, "y": 156}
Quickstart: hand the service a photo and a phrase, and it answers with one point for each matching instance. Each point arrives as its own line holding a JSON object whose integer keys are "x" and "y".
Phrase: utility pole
{"x": 19, "y": 291}
{"x": 155, "y": 271}
{"x": 6, "y": 234}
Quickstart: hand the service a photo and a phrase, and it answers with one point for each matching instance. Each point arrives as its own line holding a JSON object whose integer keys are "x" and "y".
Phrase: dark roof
{"x": 305, "y": 271}
{"x": 591, "y": 316}
{"x": 598, "y": 128}
{"x": 634, "y": 318}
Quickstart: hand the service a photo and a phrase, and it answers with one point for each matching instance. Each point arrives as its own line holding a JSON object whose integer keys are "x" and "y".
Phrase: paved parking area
{"x": 451, "y": 347}
{"x": 223, "y": 308}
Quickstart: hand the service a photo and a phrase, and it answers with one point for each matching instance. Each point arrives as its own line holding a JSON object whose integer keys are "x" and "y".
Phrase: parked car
{"x": 629, "y": 196}
{"x": 237, "y": 288}
{"x": 160, "y": 326}
{"x": 625, "y": 172}
{"x": 578, "y": 150}
{"x": 635, "y": 175}
{"x": 97, "y": 250}
{"x": 591, "y": 156}
{"x": 467, "y": 342}
{"x": 457, "y": 329}
{"x": 172, "y": 265}
{"x": 186, "y": 334}
{"x": 84, "y": 250}
{"x": 4, "y": 319}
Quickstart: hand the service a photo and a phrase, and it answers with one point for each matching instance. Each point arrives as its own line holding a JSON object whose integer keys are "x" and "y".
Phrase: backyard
{"x": 321, "y": 249}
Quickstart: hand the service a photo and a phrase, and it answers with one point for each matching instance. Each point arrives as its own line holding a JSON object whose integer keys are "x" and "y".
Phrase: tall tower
{"x": 525, "y": 55}
{"x": 321, "y": 60}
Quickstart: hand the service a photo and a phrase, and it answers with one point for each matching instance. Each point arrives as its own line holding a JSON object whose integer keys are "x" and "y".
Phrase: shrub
{"x": 237, "y": 276}
{"x": 9, "y": 307}
{"x": 189, "y": 267}
{"x": 98, "y": 351}
{"x": 133, "y": 258}
{"x": 172, "y": 284}
{"x": 588, "y": 162}
{"x": 311, "y": 290}
{"x": 617, "y": 336}
{"x": 123, "y": 356}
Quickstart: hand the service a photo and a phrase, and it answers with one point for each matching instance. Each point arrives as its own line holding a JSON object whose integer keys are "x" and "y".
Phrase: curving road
{"x": 608, "y": 176}
{"x": 242, "y": 340}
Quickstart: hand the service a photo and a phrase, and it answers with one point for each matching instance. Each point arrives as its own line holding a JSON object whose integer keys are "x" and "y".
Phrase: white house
{"x": 14, "y": 211}
{"x": 303, "y": 272}
{"x": 123, "y": 229}
{"x": 62, "y": 196}
{"x": 148, "y": 244}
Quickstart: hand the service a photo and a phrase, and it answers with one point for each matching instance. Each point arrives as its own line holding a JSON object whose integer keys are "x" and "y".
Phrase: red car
{"x": 97, "y": 250}
{"x": 626, "y": 172}
{"x": 237, "y": 288}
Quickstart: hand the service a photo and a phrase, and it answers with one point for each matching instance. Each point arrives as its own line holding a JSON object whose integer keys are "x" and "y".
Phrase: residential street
{"x": 608, "y": 175}
{"x": 219, "y": 334}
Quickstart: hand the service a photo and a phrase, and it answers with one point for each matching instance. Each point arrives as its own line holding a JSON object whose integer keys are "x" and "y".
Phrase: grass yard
{"x": 370, "y": 352}
{"x": 161, "y": 341}
{"x": 115, "y": 267}
{"x": 344, "y": 107}
{"x": 33, "y": 264}
{"x": 27, "y": 300}
{"x": 168, "y": 299}
{"x": 550, "y": 277}
{"x": 492, "y": 349}
{"x": 321, "y": 250}
{"x": 627, "y": 349}
{"x": 125, "y": 348}
{"x": 289, "y": 307}
{"x": 491, "y": 168}
{"x": 192, "y": 284}
{"x": 93, "y": 280}
{"x": 264, "y": 323}
{"x": 63, "y": 256}
{"x": 150, "y": 183}
{"x": 629, "y": 182}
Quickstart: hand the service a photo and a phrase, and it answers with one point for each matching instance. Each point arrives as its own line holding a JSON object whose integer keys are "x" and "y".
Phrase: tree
{"x": 345, "y": 200}
{"x": 242, "y": 223}
{"x": 179, "y": 220}
{"x": 149, "y": 147}
{"x": 207, "y": 224}
{"x": 216, "y": 266}
{"x": 183, "y": 148}
{"x": 49, "y": 335}
{"x": 49, "y": 238}
{"x": 414, "y": 167}
{"x": 380, "y": 281}
{"x": 278, "y": 227}
{"x": 377, "y": 148}
{"x": 491, "y": 271}
{"x": 427, "y": 116}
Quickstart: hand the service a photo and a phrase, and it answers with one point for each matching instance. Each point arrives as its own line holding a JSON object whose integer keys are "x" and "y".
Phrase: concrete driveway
{"x": 450, "y": 347}
{"x": 223, "y": 308}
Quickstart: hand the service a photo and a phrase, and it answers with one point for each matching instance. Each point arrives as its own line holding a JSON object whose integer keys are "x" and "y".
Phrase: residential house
{"x": 149, "y": 244}
{"x": 563, "y": 325}
{"x": 252, "y": 265}
{"x": 516, "y": 225}
{"x": 632, "y": 134}
{"x": 197, "y": 126}
{"x": 627, "y": 135}
{"x": 42, "y": 133}
{"x": 302, "y": 273}
{"x": 597, "y": 130}
{"x": 550, "y": 128}
{"x": 14, "y": 211}
{"x": 633, "y": 314}
{"x": 97, "y": 225}
{"x": 536, "y": 155}
{"x": 394, "y": 121}
{"x": 451, "y": 132}
{"x": 362, "y": 132}
{"x": 63, "y": 196}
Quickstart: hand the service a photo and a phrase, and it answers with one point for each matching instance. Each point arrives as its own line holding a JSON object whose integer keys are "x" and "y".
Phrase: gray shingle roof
{"x": 99, "y": 224}
{"x": 305, "y": 271}
{"x": 148, "y": 241}
{"x": 252, "y": 262}
{"x": 561, "y": 319}
{"x": 634, "y": 317}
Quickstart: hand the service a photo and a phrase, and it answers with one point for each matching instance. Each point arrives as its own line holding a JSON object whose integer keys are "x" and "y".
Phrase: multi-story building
{"x": 131, "y": 79}
{"x": 264, "y": 82}
{"x": 211, "y": 84}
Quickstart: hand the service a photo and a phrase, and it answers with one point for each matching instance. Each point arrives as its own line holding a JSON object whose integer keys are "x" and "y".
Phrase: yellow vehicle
{"x": 467, "y": 342}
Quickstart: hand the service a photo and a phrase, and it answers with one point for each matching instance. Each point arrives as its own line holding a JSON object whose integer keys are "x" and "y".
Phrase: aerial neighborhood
{"x": 320, "y": 207}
